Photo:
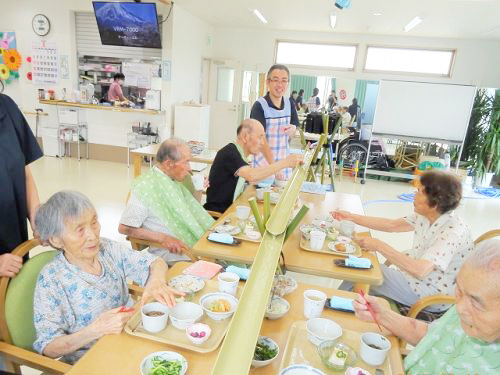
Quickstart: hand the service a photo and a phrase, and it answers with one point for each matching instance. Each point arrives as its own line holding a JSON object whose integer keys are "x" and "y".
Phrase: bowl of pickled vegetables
{"x": 164, "y": 363}
{"x": 219, "y": 305}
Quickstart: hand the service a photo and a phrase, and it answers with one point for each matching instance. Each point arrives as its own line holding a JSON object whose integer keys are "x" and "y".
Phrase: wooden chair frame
{"x": 444, "y": 299}
{"x": 16, "y": 356}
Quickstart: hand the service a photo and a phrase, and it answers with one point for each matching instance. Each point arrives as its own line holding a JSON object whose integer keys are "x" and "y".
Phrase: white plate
{"x": 225, "y": 228}
{"x": 187, "y": 283}
{"x": 344, "y": 239}
{"x": 349, "y": 247}
{"x": 301, "y": 369}
{"x": 147, "y": 365}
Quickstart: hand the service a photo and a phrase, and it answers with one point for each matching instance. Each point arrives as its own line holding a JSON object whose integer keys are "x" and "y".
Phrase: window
{"x": 336, "y": 56}
{"x": 436, "y": 62}
{"x": 225, "y": 83}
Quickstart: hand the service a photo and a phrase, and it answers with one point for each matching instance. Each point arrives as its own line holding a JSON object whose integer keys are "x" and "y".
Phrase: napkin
{"x": 221, "y": 237}
{"x": 341, "y": 303}
{"x": 201, "y": 268}
{"x": 243, "y": 273}
{"x": 356, "y": 262}
{"x": 266, "y": 183}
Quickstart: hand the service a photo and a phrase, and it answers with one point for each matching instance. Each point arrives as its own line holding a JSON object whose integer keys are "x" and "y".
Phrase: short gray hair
{"x": 51, "y": 217}
{"x": 486, "y": 256}
{"x": 170, "y": 150}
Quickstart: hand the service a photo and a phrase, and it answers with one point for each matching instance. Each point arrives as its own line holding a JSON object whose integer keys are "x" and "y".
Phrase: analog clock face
{"x": 41, "y": 25}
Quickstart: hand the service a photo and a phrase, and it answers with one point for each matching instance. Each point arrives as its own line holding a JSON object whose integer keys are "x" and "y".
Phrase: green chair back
{"x": 19, "y": 301}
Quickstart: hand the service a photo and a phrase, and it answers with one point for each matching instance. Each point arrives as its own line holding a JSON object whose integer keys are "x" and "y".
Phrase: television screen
{"x": 127, "y": 24}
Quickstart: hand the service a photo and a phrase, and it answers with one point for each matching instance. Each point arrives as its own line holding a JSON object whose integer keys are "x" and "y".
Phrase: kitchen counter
{"x": 100, "y": 107}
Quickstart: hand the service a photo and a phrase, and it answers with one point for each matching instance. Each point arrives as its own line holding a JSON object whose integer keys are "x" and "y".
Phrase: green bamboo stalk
{"x": 267, "y": 206}
{"x": 256, "y": 214}
{"x": 296, "y": 220}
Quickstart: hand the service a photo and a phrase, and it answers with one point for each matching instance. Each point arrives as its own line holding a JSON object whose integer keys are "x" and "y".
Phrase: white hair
{"x": 486, "y": 256}
{"x": 51, "y": 217}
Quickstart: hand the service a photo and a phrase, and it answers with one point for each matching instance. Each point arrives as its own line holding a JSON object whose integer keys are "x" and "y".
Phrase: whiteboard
{"x": 423, "y": 110}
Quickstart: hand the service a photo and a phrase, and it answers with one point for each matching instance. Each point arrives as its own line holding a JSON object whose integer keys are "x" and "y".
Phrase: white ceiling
{"x": 470, "y": 19}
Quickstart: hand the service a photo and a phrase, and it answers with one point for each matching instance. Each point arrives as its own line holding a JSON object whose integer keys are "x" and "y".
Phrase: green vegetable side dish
{"x": 164, "y": 367}
{"x": 341, "y": 354}
{"x": 264, "y": 352}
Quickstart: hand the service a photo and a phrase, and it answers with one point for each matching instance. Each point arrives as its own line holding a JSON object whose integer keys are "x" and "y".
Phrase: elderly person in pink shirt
{"x": 115, "y": 92}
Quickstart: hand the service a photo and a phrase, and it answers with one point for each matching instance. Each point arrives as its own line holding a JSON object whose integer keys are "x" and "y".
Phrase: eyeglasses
{"x": 276, "y": 80}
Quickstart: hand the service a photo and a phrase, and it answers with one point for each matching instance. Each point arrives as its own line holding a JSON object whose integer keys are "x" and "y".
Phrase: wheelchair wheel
{"x": 351, "y": 152}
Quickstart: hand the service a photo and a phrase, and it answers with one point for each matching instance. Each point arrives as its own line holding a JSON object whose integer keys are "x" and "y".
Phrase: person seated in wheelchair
{"x": 346, "y": 117}
{"x": 440, "y": 245}
{"x": 81, "y": 294}
{"x": 161, "y": 209}
{"x": 466, "y": 339}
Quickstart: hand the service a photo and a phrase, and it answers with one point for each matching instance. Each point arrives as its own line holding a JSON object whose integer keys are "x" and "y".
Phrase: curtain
{"x": 360, "y": 91}
{"x": 308, "y": 83}
{"x": 334, "y": 85}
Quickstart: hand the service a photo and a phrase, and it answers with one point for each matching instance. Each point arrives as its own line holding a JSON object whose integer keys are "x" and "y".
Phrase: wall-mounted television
{"x": 127, "y": 24}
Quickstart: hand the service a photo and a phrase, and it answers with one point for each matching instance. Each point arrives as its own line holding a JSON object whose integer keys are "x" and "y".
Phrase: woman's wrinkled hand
{"x": 111, "y": 322}
{"x": 361, "y": 308}
{"x": 341, "y": 215}
{"x": 369, "y": 243}
{"x": 161, "y": 292}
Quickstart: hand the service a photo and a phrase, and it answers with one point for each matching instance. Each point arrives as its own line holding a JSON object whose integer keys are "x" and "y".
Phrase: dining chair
{"x": 17, "y": 330}
{"x": 444, "y": 299}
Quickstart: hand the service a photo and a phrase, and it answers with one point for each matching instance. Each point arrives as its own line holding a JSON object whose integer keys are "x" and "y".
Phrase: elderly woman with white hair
{"x": 466, "y": 340}
{"x": 80, "y": 294}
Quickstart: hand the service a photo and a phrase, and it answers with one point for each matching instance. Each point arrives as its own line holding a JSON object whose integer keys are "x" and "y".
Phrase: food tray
{"x": 176, "y": 337}
{"x": 304, "y": 245}
{"x": 299, "y": 349}
{"x": 240, "y": 236}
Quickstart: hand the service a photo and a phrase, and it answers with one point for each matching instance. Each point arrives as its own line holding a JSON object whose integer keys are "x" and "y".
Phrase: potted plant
{"x": 482, "y": 146}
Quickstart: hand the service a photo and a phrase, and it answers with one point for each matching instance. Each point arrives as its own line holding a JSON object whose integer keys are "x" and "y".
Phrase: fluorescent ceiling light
{"x": 333, "y": 20}
{"x": 377, "y": 14}
{"x": 414, "y": 22}
{"x": 259, "y": 16}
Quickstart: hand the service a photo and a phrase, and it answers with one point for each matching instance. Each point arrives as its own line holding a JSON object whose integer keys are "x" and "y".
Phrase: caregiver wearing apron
{"x": 279, "y": 118}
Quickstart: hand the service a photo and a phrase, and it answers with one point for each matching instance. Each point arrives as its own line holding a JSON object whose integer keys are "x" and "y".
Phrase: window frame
{"x": 320, "y": 67}
{"x": 420, "y": 74}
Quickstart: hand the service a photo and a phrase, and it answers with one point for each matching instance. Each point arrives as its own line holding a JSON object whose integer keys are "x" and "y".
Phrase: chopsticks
{"x": 370, "y": 309}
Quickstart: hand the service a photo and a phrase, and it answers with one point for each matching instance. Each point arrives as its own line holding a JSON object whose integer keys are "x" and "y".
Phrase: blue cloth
{"x": 221, "y": 237}
{"x": 266, "y": 183}
{"x": 353, "y": 261}
{"x": 341, "y": 303}
{"x": 68, "y": 299}
{"x": 243, "y": 273}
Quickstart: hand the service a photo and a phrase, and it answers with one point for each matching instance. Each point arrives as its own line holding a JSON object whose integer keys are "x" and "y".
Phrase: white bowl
{"x": 280, "y": 302}
{"x": 183, "y": 314}
{"x": 301, "y": 369}
{"x": 321, "y": 329}
{"x": 154, "y": 324}
{"x": 270, "y": 343}
{"x": 147, "y": 362}
{"x": 206, "y": 299}
{"x": 198, "y": 327}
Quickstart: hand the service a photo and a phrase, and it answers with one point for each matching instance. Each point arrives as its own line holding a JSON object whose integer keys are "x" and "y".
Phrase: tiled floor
{"x": 107, "y": 185}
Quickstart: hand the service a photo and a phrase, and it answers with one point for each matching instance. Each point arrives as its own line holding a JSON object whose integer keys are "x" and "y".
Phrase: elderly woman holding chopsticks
{"x": 466, "y": 340}
{"x": 441, "y": 242}
{"x": 82, "y": 293}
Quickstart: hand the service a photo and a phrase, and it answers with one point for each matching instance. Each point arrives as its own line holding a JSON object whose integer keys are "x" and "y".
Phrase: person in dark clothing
{"x": 300, "y": 99}
{"x": 230, "y": 169}
{"x": 18, "y": 193}
{"x": 354, "y": 110}
{"x": 294, "y": 97}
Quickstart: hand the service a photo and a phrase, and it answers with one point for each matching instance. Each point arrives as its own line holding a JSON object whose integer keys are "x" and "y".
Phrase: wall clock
{"x": 40, "y": 24}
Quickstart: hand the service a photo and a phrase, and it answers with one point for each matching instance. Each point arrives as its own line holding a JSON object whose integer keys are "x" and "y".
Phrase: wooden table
{"x": 123, "y": 353}
{"x": 296, "y": 259}
{"x": 207, "y": 156}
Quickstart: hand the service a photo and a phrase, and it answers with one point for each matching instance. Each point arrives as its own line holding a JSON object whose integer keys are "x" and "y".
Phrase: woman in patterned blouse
{"x": 441, "y": 242}
{"x": 79, "y": 294}
{"x": 465, "y": 340}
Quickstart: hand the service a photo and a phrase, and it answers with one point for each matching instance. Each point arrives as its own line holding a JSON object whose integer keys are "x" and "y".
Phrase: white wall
{"x": 476, "y": 61}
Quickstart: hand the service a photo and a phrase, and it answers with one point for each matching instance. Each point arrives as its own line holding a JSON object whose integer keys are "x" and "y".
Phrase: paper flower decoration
{"x": 12, "y": 59}
{"x": 29, "y": 75}
{"x": 4, "y": 72}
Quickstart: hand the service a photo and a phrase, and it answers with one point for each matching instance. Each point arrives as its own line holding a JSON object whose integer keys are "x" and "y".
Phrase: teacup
{"x": 374, "y": 348}
{"x": 154, "y": 316}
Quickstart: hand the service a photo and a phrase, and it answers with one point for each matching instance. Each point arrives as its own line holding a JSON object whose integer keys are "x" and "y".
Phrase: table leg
{"x": 137, "y": 159}
{"x": 357, "y": 287}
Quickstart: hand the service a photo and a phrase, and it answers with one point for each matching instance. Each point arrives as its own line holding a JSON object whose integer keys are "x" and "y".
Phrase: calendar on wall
{"x": 44, "y": 63}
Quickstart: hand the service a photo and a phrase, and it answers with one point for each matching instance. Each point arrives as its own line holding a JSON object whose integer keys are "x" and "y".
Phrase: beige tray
{"x": 304, "y": 245}
{"x": 176, "y": 337}
{"x": 240, "y": 236}
{"x": 299, "y": 349}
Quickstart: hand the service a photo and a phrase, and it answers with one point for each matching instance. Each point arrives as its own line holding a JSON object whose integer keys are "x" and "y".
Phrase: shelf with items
{"x": 74, "y": 134}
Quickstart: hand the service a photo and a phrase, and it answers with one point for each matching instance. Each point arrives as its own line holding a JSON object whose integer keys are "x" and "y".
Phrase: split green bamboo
{"x": 256, "y": 214}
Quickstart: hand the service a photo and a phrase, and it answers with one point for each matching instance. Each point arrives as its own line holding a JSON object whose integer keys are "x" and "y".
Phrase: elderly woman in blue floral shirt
{"x": 79, "y": 294}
